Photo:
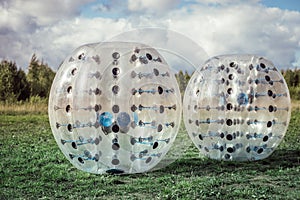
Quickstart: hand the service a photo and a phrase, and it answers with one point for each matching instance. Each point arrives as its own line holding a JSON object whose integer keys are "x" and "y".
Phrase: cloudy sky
{"x": 54, "y": 28}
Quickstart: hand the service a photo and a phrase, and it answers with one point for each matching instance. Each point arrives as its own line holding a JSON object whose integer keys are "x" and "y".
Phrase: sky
{"x": 52, "y": 29}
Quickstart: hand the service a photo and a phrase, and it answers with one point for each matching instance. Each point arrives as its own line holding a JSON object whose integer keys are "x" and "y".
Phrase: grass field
{"x": 33, "y": 167}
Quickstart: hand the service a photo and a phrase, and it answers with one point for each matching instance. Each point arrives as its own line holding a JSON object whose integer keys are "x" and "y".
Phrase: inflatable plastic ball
{"x": 114, "y": 108}
{"x": 237, "y": 107}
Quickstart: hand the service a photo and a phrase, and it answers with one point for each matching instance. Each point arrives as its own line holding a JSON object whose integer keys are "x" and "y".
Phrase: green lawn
{"x": 32, "y": 166}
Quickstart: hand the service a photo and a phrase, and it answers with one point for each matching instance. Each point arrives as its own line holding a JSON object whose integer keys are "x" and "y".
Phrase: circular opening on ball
{"x": 230, "y": 149}
{"x": 97, "y": 140}
{"x": 74, "y": 145}
{"x": 115, "y": 161}
{"x": 81, "y": 160}
{"x": 271, "y": 108}
{"x": 115, "y": 128}
{"x": 200, "y": 137}
{"x": 74, "y": 71}
{"x": 133, "y": 58}
{"x": 269, "y": 124}
{"x": 81, "y": 56}
{"x": 262, "y": 65}
{"x": 96, "y": 157}
{"x": 265, "y": 138}
{"x": 155, "y": 145}
{"x": 97, "y": 91}
{"x": 232, "y": 64}
{"x": 229, "y": 137}
{"x": 70, "y": 127}
{"x": 115, "y": 71}
{"x": 97, "y": 107}
{"x": 227, "y": 156}
{"x": 148, "y": 160}
{"x": 155, "y": 72}
{"x": 115, "y": 109}
{"x": 270, "y": 93}
{"x": 115, "y": 146}
{"x": 229, "y": 122}
{"x": 221, "y": 148}
{"x": 69, "y": 90}
{"x": 68, "y": 108}
{"x": 229, "y": 91}
{"x": 229, "y": 106}
{"x": 222, "y": 135}
{"x": 159, "y": 128}
{"x": 116, "y": 55}
{"x": 251, "y": 67}
{"x": 260, "y": 150}
{"x": 149, "y": 56}
{"x": 160, "y": 90}
{"x": 115, "y": 89}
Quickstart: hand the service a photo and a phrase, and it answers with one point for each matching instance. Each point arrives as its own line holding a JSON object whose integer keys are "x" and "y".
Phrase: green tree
{"x": 22, "y": 85}
{"x": 40, "y": 77}
{"x": 296, "y": 77}
{"x": 288, "y": 76}
{"x": 13, "y": 83}
{"x": 8, "y": 70}
{"x": 292, "y": 78}
{"x": 181, "y": 81}
{"x": 187, "y": 78}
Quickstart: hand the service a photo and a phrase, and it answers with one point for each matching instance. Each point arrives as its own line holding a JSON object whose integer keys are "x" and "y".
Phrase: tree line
{"x": 292, "y": 78}
{"x": 16, "y": 85}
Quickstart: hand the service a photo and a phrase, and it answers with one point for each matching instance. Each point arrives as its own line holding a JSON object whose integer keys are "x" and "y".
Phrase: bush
{"x": 295, "y": 93}
{"x": 38, "y": 100}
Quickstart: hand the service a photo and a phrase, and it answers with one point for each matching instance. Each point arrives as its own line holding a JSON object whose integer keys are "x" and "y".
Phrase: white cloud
{"x": 21, "y": 21}
{"x": 241, "y": 28}
{"x": 44, "y": 12}
{"x": 61, "y": 39}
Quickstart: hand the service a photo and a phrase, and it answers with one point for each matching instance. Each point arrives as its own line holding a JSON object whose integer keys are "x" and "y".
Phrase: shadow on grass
{"x": 197, "y": 166}
{"x": 280, "y": 159}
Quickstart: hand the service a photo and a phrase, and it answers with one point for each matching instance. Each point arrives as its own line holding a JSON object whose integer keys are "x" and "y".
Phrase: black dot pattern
{"x": 243, "y": 113}
{"x": 117, "y": 114}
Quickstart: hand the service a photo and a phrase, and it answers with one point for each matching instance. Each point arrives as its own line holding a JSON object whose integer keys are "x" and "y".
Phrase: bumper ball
{"x": 114, "y": 107}
{"x": 237, "y": 107}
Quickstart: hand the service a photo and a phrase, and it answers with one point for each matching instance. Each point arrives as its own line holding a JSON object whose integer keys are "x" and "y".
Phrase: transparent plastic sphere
{"x": 115, "y": 107}
{"x": 237, "y": 107}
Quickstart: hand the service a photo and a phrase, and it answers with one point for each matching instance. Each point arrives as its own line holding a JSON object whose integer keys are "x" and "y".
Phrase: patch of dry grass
{"x": 24, "y": 108}
{"x": 296, "y": 104}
